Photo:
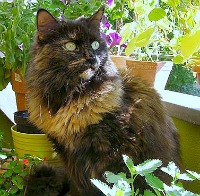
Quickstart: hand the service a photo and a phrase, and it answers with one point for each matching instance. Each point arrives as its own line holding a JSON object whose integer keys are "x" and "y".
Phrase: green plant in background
{"x": 181, "y": 80}
{"x": 160, "y": 25}
{"x": 17, "y": 27}
{"x": 148, "y": 28}
{"x": 124, "y": 186}
{"x": 13, "y": 170}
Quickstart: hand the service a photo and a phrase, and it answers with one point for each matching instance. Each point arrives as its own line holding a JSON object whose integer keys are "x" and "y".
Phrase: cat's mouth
{"x": 87, "y": 74}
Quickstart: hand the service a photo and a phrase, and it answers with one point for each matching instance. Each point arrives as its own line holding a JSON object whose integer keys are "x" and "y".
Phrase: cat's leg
{"x": 46, "y": 181}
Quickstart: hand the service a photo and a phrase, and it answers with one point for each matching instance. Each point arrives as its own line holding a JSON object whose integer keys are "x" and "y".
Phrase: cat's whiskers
{"x": 40, "y": 113}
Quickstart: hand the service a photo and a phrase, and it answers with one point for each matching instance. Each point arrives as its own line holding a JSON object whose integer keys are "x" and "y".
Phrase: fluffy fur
{"x": 92, "y": 113}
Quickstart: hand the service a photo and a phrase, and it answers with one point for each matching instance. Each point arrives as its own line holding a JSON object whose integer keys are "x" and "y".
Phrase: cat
{"x": 92, "y": 112}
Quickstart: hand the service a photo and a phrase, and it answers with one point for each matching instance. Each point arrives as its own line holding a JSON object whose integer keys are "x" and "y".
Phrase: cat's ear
{"x": 95, "y": 19}
{"x": 45, "y": 23}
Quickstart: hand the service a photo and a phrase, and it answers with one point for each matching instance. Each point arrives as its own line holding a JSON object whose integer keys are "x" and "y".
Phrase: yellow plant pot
{"x": 34, "y": 144}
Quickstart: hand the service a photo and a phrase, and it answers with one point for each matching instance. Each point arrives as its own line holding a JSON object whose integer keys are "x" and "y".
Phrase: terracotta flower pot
{"x": 196, "y": 68}
{"x": 154, "y": 73}
{"x": 18, "y": 86}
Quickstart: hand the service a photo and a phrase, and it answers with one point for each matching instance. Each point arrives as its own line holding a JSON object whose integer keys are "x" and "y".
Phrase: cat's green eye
{"x": 70, "y": 46}
{"x": 95, "y": 45}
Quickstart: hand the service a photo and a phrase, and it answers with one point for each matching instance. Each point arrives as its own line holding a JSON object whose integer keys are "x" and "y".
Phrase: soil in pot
{"x": 23, "y": 124}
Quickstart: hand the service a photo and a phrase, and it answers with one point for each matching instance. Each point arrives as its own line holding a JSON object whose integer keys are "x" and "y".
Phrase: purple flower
{"x": 116, "y": 39}
{"x": 61, "y": 16}
{"x": 110, "y": 2}
{"x": 105, "y": 23}
{"x": 63, "y": 1}
{"x": 20, "y": 46}
{"x": 112, "y": 39}
{"x": 107, "y": 39}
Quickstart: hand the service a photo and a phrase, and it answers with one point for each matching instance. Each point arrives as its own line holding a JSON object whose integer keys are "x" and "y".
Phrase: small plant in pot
{"x": 28, "y": 139}
{"x": 13, "y": 170}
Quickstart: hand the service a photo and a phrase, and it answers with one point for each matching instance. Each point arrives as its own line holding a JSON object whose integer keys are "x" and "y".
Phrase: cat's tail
{"x": 46, "y": 181}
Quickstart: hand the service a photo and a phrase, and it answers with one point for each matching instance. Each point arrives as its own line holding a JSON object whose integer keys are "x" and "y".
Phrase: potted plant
{"x": 14, "y": 169}
{"x": 137, "y": 40}
{"x": 17, "y": 29}
{"x": 27, "y": 139}
{"x": 156, "y": 30}
{"x": 194, "y": 63}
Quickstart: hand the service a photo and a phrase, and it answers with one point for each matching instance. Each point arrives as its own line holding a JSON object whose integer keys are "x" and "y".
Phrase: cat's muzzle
{"x": 87, "y": 74}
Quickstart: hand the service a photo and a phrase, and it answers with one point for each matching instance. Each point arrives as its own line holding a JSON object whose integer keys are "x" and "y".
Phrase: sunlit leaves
{"x": 126, "y": 32}
{"x": 140, "y": 40}
{"x": 178, "y": 59}
{"x": 121, "y": 185}
{"x": 190, "y": 44}
{"x": 172, "y": 3}
{"x": 148, "y": 166}
{"x": 156, "y": 14}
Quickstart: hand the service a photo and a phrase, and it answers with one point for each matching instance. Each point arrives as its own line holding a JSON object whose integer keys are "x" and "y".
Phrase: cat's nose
{"x": 92, "y": 62}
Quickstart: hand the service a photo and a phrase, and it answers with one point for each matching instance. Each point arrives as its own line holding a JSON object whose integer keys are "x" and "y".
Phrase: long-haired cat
{"x": 90, "y": 111}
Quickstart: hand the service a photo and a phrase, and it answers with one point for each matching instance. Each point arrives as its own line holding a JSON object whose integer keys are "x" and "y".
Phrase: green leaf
{"x": 154, "y": 181}
{"x": 171, "y": 169}
{"x": 11, "y": 165}
{"x": 111, "y": 177}
{"x": 190, "y": 44}
{"x": 140, "y": 40}
{"x": 129, "y": 163}
{"x": 178, "y": 59}
{"x": 148, "y": 166}
{"x": 119, "y": 193}
{"x": 8, "y": 173}
{"x": 13, "y": 190}
{"x": 194, "y": 174}
{"x": 17, "y": 169}
{"x": 148, "y": 193}
{"x": 172, "y": 3}
{"x": 103, "y": 187}
{"x": 156, "y": 14}
{"x": 126, "y": 32}
{"x": 186, "y": 177}
{"x": 18, "y": 182}
{"x": 1, "y": 179}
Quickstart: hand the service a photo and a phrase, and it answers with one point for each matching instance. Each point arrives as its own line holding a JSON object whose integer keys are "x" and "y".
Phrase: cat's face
{"x": 74, "y": 45}
{"x": 69, "y": 58}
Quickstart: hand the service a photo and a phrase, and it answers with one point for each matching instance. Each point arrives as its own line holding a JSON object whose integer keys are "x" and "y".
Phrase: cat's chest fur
{"x": 78, "y": 114}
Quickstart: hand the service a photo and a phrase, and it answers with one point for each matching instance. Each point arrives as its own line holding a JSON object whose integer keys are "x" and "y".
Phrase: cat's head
{"x": 75, "y": 45}
{"x": 69, "y": 58}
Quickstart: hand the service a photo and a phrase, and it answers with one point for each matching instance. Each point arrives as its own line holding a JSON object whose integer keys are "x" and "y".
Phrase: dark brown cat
{"x": 91, "y": 112}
